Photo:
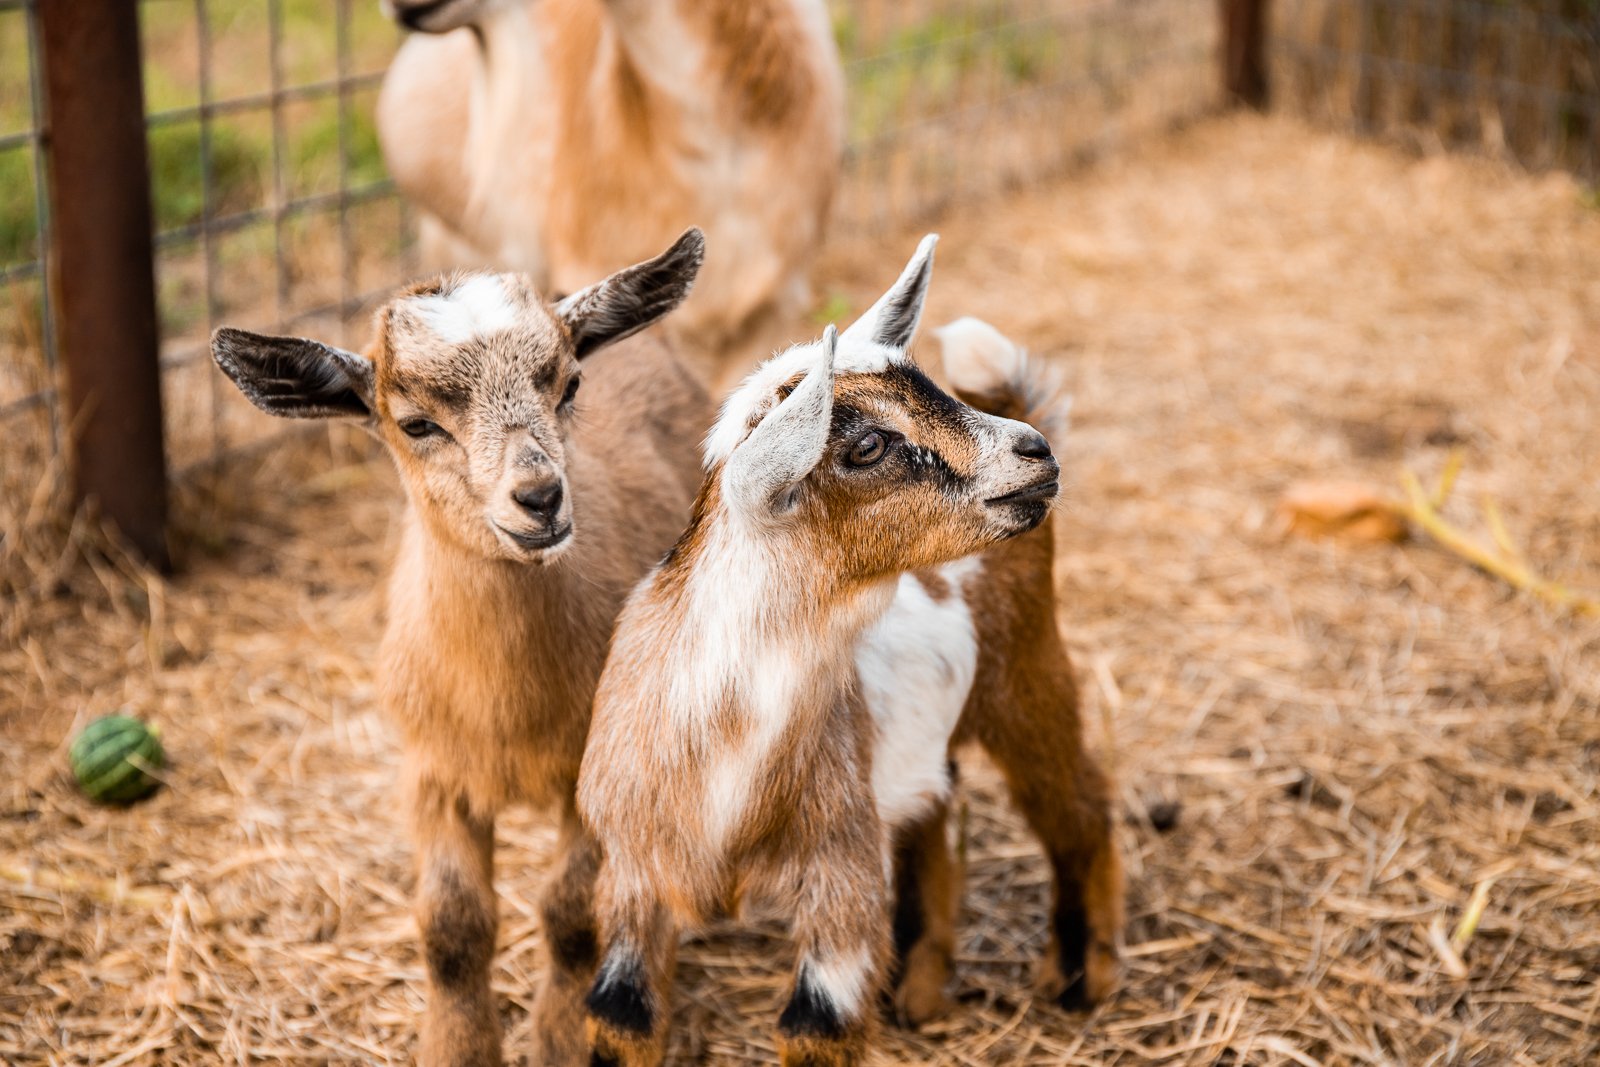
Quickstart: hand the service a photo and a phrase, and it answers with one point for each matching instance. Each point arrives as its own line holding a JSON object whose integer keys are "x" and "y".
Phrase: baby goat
{"x": 731, "y": 750}
{"x": 531, "y": 514}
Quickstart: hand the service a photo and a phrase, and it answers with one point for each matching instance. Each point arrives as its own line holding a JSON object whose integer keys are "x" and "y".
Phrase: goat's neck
{"x": 519, "y": 605}
{"x": 757, "y": 610}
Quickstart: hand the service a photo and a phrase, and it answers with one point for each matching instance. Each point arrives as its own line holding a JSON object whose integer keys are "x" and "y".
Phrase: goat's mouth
{"x": 536, "y": 540}
{"x": 1038, "y": 493}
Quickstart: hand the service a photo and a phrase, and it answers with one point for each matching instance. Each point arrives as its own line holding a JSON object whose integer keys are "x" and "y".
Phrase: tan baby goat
{"x": 532, "y": 512}
{"x": 732, "y": 750}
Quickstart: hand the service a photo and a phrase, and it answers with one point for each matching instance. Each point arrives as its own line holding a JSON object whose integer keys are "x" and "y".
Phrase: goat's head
{"x": 439, "y": 16}
{"x": 847, "y": 438}
{"x": 472, "y": 383}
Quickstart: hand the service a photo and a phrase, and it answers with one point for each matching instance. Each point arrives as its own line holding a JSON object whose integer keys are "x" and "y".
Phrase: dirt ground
{"x": 1356, "y": 739}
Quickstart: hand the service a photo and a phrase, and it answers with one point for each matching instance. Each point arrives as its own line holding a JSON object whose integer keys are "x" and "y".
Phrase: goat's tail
{"x": 998, "y": 377}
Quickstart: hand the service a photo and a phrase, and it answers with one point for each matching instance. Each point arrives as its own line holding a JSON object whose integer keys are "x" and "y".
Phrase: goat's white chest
{"x": 767, "y": 684}
{"x": 916, "y": 666}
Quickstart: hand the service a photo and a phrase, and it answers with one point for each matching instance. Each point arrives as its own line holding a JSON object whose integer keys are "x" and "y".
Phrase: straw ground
{"x": 1377, "y": 770}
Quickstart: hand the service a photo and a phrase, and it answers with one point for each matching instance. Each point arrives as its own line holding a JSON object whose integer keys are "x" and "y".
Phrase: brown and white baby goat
{"x": 532, "y": 512}
{"x": 731, "y": 750}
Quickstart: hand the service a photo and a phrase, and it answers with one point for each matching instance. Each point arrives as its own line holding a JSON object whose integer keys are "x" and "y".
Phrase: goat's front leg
{"x": 456, "y": 912}
{"x": 841, "y": 937}
{"x": 572, "y": 943}
{"x": 629, "y": 1006}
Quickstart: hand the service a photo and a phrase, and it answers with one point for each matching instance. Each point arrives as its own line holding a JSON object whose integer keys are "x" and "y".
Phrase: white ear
{"x": 761, "y": 475}
{"x": 893, "y": 319}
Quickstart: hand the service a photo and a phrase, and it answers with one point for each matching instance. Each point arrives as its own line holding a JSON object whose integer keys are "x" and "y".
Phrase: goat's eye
{"x": 572, "y": 391}
{"x": 421, "y": 428}
{"x": 868, "y": 449}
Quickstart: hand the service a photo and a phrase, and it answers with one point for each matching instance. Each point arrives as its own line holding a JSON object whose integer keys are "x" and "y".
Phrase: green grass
{"x": 241, "y": 146}
{"x": 19, "y": 227}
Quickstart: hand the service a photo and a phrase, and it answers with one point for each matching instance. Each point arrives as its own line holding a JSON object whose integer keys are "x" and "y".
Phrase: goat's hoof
{"x": 920, "y": 1000}
{"x": 1087, "y": 984}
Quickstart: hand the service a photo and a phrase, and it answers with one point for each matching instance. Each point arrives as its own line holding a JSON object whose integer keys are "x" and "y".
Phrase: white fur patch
{"x": 734, "y": 653}
{"x": 843, "y": 980}
{"x": 760, "y": 388}
{"x": 479, "y": 305}
{"x": 916, "y": 666}
{"x": 768, "y": 685}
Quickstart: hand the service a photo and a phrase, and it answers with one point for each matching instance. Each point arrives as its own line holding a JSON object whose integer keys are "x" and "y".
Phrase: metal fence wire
{"x": 1519, "y": 79}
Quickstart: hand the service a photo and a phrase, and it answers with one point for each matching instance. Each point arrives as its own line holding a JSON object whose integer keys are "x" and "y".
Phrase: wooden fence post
{"x": 102, "y": 275}
{"x": 1244, "y": 59}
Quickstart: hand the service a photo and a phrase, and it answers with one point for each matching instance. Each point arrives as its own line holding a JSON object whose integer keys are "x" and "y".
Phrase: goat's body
{"x": 726, "y": 699}
{"x": 729, "y": 681}
{"x": 489, "y": 666}
{"x": 570, "y": 137}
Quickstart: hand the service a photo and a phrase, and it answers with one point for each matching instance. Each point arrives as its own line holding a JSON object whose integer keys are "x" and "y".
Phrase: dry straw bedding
{"x": 1359, "y": 736}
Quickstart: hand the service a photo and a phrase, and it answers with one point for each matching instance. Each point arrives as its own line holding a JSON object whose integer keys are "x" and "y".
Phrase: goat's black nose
{"x": 1032, "y": 446}
{"x": 541, "y": 500}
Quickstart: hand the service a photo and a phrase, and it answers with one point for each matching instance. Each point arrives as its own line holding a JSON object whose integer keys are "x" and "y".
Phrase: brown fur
{"x": 570, "y": 143}
{"x": 489, "y": 669}
{"x": 496, "y": 633}
{"x": 1023, "y": 710}
{"x": 688, "y": 805}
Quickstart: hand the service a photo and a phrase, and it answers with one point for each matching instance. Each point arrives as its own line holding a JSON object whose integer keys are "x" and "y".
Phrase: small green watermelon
{"x": 113, "y": 759}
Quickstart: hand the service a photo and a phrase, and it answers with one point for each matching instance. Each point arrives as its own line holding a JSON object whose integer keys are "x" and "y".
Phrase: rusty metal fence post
{"x": 101, "y": 273}
{"x": 1244, "y": 61}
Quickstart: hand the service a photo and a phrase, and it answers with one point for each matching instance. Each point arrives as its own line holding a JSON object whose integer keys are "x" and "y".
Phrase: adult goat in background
{"x": 568, "y": 138}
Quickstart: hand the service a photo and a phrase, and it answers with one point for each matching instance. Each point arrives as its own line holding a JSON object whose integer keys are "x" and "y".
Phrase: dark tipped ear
{"x": 293, "y": 377}
{"x": 634, "y": 297}
{"x": 893, "y": 319}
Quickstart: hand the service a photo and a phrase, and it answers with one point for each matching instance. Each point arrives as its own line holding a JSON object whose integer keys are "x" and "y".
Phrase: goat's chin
{"x": 1014, "y": 520}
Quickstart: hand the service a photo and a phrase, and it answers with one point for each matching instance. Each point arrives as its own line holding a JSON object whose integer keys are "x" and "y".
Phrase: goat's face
{"x": 473, "y": 385}
{"x": 476, "y": 389}
{"x": 847, "y": 442}
{"x": 439, "y": 16}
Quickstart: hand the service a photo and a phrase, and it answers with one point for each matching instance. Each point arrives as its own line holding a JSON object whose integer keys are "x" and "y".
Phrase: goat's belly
{"x": 916, "y": 667}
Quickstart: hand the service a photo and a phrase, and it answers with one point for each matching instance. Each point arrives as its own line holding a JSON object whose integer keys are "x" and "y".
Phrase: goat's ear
{"x": 293, "y": 377}
{"x": 763, "y": 475}
{"x": 893, "y": 319}
{"x": 634, "y": 297}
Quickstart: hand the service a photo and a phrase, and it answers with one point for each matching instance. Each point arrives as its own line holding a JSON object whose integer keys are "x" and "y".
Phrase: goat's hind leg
{"x": 1034, "y": 736}
{"x": 456, "y": 912}
{"x": 572, "y": 946}
{"x": 629, "y": 1005}
{"x": 926, "y": 896}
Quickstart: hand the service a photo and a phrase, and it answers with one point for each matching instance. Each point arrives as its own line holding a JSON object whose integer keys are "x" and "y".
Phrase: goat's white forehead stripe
{"x": 480, "y": 305}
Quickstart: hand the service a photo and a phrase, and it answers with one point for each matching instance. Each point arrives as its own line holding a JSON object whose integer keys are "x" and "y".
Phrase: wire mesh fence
{"x": 955, "y": 100}
{"x": 1519, "y": 79}
{"x": 272, "y": 208}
